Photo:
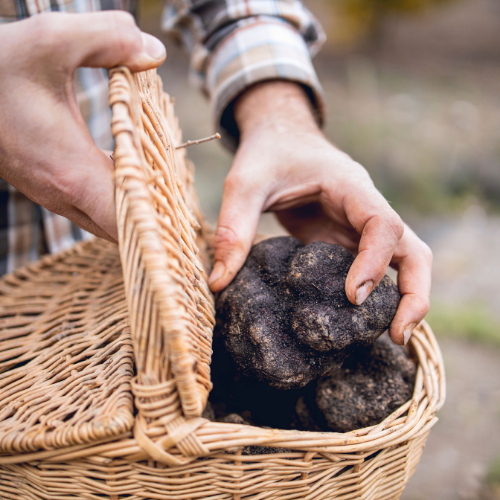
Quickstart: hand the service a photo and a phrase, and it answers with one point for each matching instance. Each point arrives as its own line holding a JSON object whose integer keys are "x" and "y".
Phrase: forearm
{"x": 278, "y": 106}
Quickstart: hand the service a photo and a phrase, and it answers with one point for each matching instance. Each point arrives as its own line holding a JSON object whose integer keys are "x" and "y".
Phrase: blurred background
{"x": 413, "y": 94}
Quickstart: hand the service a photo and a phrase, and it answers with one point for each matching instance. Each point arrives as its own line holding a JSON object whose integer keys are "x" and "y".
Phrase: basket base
{"x": 381, "y": 476}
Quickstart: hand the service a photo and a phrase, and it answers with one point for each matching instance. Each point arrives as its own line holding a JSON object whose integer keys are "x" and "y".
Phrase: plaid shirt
{"x": 233, "y": 44}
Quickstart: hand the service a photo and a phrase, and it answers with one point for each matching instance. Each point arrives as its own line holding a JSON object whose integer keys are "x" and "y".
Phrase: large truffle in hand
{"x": 372, "y": 384}
{"x": 286, "y": 318}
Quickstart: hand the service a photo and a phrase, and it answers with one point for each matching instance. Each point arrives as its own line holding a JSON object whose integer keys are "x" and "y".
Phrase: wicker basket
{"x": 105, "y": 359}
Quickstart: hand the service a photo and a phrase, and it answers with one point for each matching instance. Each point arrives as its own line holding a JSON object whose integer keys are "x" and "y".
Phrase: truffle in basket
{"x": 258, "y": 402}
{"x": 372, "y": 384}
{"x": 286, "y": 319}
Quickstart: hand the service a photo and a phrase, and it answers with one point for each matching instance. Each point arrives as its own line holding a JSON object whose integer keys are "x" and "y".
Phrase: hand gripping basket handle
{"x": 170, "y": 306}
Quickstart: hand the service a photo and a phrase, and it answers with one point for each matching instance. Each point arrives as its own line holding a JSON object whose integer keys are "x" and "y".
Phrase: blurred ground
{"x": 466, "y": 440}
{"x": 419, "y": 106}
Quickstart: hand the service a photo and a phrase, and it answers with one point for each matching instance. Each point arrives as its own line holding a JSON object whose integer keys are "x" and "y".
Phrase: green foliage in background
{"x": 490, "y": 489}
{"x": 473, "y": 322}
{"x": 493, "y": 473}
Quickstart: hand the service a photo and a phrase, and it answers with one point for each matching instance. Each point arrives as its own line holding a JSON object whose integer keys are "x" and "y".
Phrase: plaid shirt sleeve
{"x": 236, "y": 43}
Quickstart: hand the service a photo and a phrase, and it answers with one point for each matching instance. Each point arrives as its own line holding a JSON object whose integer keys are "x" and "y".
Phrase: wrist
{"x": 275, "y": 106}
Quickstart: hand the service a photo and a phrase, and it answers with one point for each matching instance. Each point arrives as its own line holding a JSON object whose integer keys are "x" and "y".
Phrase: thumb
{"x": 236, "y": 229}
{"x": 101, "y": 40}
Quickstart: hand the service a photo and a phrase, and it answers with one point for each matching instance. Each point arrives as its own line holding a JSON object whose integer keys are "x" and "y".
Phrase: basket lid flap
{"x": 161, "y": 230}
{"x": 66, "y": 358}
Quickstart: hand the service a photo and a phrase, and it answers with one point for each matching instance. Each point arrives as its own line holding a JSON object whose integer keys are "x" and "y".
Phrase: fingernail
{"x": 363, "y": 291}
{"x": 217, "y": 272}
{"x": 153, "y": 47}
{"x": 408, "y": 331}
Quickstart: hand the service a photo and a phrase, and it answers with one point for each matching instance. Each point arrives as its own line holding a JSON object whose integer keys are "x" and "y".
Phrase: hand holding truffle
{"x": 284, "y": 164}
{"x": 286, "y": 318}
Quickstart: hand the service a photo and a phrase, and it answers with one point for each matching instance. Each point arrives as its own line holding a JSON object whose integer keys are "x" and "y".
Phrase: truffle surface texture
{"x": 372, "y": 384}
{"x": 286, "y": 319}
{"x": 234, "y": 418}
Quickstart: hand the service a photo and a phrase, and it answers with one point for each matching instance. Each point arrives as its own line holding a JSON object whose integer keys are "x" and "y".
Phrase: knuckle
{"x": 68, "y": 190}
{"x": 427, "y": 253}
{"x": 390, "y": 224}
{"x": 396, "y": 224}
{"x": 122, "y": 19}
{"x": 226, "y": 237}
{"x": 47, "y": 29}
{"x": 359, "y": 175}
{"x": 71, "y": 188}
{"x": 424, "y": 305}
{"x": 127, "y": 34}
{"x": 233, "y": 182}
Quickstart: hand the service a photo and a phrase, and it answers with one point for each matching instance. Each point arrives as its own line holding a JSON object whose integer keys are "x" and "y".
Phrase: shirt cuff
{"x": 259, "y": 49}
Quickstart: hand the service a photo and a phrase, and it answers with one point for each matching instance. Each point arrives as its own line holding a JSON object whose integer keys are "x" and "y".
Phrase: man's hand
{"x": 284, "y": 164}
{"x": 46, "y": 150}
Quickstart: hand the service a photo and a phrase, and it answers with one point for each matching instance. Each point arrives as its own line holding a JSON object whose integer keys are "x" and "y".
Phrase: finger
{"x": 95, "y": 194}
{"x": 62, "y": 203}
{"x": 240, "y": 212}
{"x": 380, "y": 229}
{"x": 414, "y": 281}
{"x": 84, "y": 193}
{"x": 85, "y": 222}
{"x": 100, "y": 39}
{"x": 379, "y": 238}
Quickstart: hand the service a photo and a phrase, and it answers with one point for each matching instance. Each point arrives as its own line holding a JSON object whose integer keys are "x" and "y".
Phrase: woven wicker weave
{"x": 105, "y": 359}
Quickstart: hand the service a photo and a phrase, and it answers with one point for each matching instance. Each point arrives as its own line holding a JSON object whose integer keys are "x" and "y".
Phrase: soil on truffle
{"x": 286, "y": 319}
{"x": 372, "y": 384}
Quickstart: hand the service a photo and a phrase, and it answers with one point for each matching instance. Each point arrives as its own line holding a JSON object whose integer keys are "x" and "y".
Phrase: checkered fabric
{"x": 233, "y": 44}
{"x": 237, "y": 43}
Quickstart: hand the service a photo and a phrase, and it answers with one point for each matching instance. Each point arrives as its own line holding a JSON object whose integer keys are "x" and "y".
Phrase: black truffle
{"x": 373, "y": 383}
{"x": 234, "y": 418}
{"x": 286, "y": 319}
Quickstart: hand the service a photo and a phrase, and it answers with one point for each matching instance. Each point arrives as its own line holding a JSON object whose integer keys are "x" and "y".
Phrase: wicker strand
{"x": 199, "y": 141}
